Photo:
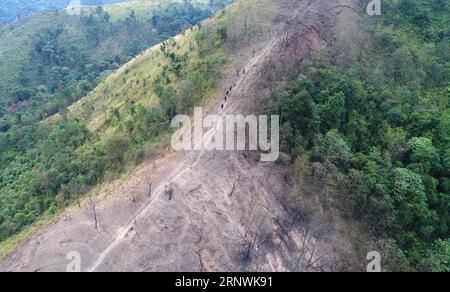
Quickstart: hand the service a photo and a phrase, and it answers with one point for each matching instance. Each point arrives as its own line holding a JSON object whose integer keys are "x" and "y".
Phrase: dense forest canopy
{"x": 379, "y": 130}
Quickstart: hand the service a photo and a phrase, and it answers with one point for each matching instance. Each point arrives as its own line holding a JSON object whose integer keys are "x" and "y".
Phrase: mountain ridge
{"x": 364, "y": 119}
{"x": 47, "y": 68}
{"x": 186, "y": 230}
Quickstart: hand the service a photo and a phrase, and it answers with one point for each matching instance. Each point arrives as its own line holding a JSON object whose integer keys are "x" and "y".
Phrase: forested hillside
{"x": 123, "y": 124}
{"x": 50, "y": 60}
{"x": 377, "y": 128}
{"x": 65, "y": 63}
{"x": 366, "y": 123}
{"x": 13, "y": 9}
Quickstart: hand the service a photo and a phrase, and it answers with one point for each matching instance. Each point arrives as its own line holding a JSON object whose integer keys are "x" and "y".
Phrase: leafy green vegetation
{"x": 376, "y": 128}
{"x": 45, "y": 166}
{"x": 380, "y": 131}
{"x": 62, "y": 59}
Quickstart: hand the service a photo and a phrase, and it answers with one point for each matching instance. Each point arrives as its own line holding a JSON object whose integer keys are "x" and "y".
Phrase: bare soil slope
{"x": 229, "y": 211}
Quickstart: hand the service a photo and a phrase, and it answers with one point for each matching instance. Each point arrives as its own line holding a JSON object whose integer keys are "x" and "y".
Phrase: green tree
{"x": 410, "y": 213}
{"x": 423, "y": 153}
{"x": 116, "y": 147}
{"x": 332, "y": 149}
{"x": 332, "y": 111}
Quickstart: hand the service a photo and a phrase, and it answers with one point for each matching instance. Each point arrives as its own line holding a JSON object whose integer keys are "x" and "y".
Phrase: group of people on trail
{"x": 227, "y": 95}
{"x": 228, "y": 92}
{"x": 169, "y": 188}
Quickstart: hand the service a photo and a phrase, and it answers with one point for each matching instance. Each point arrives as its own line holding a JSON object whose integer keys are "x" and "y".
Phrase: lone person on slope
{"x": 169, "y": 191}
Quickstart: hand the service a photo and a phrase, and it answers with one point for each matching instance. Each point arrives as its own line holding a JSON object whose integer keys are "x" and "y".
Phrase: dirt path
{"x": 191, "y": 162}
{"x": 228, "y": 211}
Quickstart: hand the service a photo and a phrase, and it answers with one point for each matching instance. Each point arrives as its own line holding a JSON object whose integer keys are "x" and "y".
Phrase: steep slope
{"x": 229, "y": 211}
{"x": 375, "y": 126}
{"x": 65, "y": 72}
{"x": 48, "y": 60}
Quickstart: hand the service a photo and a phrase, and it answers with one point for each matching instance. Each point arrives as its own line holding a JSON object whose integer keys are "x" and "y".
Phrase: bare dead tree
{"x": 253, "y": 240}
{"x": 135, "y": 219}
{"x": 312, "y": 254}
{"x": 307, "y": 256}
{"x": 94, "y": 211}
{"x": 313, "y": 264}
{"x": 201, "y": 246}
{"x": 235, "y": 185}
{"x": 253, "y": 236}
{"x": 133, "y": 199}
{"x": 132, "y": 190}
{"x": 149, "y": 184}
{"x": 305, "y": 240}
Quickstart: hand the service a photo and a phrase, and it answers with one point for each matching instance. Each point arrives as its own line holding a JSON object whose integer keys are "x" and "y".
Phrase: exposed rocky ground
{"x": 229, "y": 211}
